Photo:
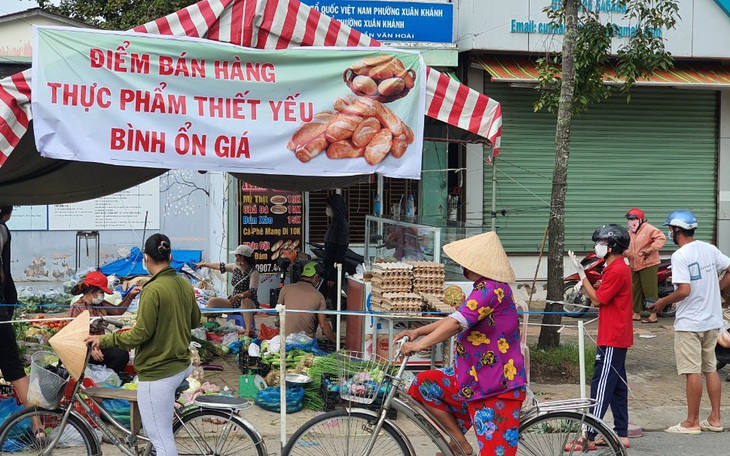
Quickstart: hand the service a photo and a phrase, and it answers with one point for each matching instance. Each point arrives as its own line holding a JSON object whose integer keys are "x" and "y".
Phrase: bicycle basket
{"x": 360, "y": 375}
{"x": 47, "y": 382}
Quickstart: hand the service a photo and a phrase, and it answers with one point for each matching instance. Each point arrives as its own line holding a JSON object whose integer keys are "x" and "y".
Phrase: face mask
{"x": 144, "y": 264}
{"x": 328, "y": 211}
{"x": 98, "y": 300}
{"x": 670, "y": 234}
{"x": 634, "y": 225}
{"x": 601, "y": 250}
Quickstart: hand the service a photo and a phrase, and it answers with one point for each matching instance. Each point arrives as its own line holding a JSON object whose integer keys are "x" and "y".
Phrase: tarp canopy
{"x": 131, "y": 265}
{"x": 26, "y": 178}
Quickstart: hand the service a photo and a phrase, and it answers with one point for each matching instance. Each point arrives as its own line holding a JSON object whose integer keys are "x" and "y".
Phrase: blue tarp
{"x": 132, "y": 264}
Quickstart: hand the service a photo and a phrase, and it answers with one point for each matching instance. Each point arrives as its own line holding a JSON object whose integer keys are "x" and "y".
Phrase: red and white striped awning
{"x": 271, "y": 24}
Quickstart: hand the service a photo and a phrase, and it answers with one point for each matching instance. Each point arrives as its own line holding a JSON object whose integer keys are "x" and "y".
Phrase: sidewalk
{"x": 656, "y": 393}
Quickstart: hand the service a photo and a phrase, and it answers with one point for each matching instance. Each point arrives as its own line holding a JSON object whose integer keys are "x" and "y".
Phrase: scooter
{"x": 576, "y": 304}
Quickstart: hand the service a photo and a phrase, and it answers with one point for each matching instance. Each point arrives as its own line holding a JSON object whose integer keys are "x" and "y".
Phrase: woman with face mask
{"x": 90, "y": 295}
{"x": 161, "y": 337}
{"x": 643, "y": 255}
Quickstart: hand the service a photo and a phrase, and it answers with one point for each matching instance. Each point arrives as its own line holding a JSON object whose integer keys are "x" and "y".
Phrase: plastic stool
{"x": 238, "y": 320}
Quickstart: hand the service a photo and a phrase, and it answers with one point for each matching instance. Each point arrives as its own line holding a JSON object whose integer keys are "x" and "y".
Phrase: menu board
{"x": 271, "y": 224}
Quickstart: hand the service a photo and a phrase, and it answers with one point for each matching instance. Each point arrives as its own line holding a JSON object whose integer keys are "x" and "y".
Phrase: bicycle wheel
{"x": 215, "y": 432}
{"x": 339, "y": 433}
{"x": 562, "y": 433}
{"x": 17, "y": 434}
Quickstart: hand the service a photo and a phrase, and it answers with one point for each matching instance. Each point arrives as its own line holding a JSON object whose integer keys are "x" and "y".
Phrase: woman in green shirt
{"x": 161, "y": 336}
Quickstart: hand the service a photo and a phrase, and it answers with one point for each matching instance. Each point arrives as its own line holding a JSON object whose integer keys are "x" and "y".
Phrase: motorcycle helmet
{"x": 682, "y": 219}
{"x": 615, "y": 236}
{"x": 637, "y": 213}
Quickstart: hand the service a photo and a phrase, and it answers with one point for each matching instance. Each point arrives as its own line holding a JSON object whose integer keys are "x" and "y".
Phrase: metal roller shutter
{"x": 659, "y": 153}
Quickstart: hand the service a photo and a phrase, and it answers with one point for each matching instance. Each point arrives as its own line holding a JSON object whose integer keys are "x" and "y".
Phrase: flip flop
{"x": 580, "y": 445}
{"x": 679, "y": 429}
{"x": 706, "y": 426}
{"x": 599, "y": 442}
{"x": 646, "y": 320}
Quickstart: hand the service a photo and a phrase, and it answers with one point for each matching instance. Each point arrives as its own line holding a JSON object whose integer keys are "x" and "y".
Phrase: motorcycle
{"x": 577, "y": 304}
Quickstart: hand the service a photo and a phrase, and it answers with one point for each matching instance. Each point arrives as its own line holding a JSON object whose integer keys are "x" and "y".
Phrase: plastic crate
{"x": 7, "y": 390}
{"x": 252, "y": 365}
{"x": 332, "y": 399}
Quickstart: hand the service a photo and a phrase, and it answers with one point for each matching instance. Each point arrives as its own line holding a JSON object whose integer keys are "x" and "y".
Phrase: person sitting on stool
{"x": 303, "y": 295}
{"x": 92, "y": 290}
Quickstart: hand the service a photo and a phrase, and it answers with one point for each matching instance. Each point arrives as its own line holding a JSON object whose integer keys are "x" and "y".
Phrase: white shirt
{"x": 699, "y": 264}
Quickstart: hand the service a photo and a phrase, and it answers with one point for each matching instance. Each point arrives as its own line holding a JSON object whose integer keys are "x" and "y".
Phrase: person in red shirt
{"x": 615, "y": 328}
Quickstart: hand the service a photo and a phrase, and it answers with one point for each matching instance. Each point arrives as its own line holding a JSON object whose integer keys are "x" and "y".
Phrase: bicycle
{"x": 211, "y": 425}
{"x": 550, "y": 428}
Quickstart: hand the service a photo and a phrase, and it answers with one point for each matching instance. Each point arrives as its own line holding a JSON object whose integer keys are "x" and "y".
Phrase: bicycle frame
{"x": 412, "y": 410}
{"x": 433, "y": 428}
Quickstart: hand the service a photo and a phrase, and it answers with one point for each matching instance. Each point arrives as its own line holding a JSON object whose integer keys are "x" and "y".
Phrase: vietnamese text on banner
{"x": 184, "y": 103}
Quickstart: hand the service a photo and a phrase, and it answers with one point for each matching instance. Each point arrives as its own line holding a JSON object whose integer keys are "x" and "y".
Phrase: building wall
{"x": 192, "y": 214}
{"x": 16, "y": 36}
{"x": 703, "y": 30}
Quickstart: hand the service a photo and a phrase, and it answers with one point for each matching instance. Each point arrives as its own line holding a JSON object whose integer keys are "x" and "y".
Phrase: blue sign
{"x": 393, "y": 21}
{"x": 724, "y": 5}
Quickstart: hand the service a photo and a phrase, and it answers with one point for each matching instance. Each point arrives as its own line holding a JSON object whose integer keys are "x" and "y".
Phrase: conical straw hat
{"x": 484, "y": 255}
{"x": 69, "y": 344}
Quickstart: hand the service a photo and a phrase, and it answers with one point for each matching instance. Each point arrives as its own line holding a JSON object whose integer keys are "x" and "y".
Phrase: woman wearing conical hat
{"x": 486, "y": 386}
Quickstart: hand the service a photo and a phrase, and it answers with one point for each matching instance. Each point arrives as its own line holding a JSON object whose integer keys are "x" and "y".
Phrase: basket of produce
{"x": 360, "y": 375}
{"x": 47, "y": 381}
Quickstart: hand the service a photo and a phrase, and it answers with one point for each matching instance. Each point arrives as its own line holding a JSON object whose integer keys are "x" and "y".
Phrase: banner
{"x": 184, "y": 103}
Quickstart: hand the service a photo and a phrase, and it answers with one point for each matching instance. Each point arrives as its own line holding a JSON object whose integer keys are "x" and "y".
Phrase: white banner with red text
{"x": 185, "y": 103}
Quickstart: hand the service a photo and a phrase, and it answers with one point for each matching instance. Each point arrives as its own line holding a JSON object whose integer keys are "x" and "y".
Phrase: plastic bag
{"x": 119, "y": 409}
{"x": 269, "y": 399}
{"x": 7, "y": 408}
{"x": 723, "y": 337}
{"x": 103, "y": 376}
{"x": 266, "y": 332}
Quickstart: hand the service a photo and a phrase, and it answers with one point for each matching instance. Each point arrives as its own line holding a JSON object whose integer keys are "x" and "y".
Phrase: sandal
{"x": 647, "y": 320}
{"x": 40, "y": 437}
{"x": 580, "y": 445}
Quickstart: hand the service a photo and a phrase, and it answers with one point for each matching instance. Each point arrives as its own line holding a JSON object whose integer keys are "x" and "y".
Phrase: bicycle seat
{"x": 181, "y": 388}
{"x": 222, "y": 402}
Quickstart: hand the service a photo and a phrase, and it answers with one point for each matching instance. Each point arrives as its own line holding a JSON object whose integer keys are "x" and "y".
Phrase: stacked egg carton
{"x": 389, "y": 278}
{"x": 403, "y": 303}
{"x": 433, "y": 303}
{"x": 428, "y": 281}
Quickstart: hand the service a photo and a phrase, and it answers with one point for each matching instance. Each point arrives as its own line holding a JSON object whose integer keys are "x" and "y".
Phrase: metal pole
{"x": 494, "y": 192}
{"x": 339, "y": 304}
{"x": 282, "y": 372}
{"x": 582, "y": 358}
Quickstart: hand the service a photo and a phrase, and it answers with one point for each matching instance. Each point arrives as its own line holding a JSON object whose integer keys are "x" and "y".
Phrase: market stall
{"x": 27, "y": 178}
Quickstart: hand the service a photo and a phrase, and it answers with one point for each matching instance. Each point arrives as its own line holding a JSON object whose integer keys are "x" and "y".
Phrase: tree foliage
{"x": 114, "y": 14}
{"x": 641, "y": 55}
{"x": 570, "y": 82}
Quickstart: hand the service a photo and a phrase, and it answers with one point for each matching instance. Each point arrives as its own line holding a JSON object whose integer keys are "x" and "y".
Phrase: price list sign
{"x": 271, "y": 224}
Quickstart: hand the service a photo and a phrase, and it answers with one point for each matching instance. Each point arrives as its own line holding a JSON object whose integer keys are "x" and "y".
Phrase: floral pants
{"x": 496, "y": 419}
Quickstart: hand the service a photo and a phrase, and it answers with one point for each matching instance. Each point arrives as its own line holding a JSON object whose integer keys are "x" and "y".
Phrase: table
{"x": 388, "y": 323}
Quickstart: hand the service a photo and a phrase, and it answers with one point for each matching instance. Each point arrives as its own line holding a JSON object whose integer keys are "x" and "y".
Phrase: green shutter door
{"x": 658, "y": 153}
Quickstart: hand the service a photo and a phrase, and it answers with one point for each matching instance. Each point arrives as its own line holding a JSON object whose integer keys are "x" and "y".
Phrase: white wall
{"x": 187, "y": 215}
{"x": 703, "y": 30}
{"x": 16, "y": 36}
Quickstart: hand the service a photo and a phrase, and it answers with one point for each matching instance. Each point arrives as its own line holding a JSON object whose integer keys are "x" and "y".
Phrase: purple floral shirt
{"x": 488, "y": 356}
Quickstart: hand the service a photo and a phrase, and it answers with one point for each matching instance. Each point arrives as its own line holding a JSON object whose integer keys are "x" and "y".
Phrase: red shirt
{"x": 615, "y": 323}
